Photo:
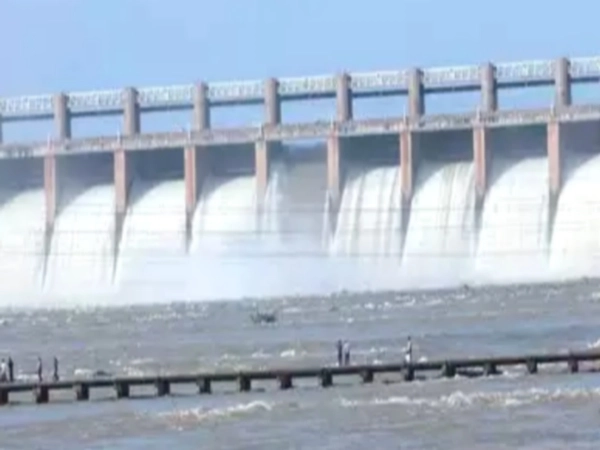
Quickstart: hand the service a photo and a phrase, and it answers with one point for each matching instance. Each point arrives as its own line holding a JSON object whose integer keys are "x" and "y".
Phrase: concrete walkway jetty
{"x": 285, "y": 377}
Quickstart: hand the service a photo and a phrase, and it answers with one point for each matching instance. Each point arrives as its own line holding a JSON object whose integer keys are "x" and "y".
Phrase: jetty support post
{"x": 204, "y": 385}
{"x": 41, "y": 394}
{"x": 285, "y": 381}
{"x": 326, "y": 378}
{"x": 163, "y": 387}
{"x": 408, "y": 372}
{"x": 244, "y": 383}
{"x": 490, "y": 368}
{"x": 3, "y": 396}
{"x": 366, "y": 375}
{"x": 448, "y": 370}
{"x": 573, "y": 365}
{"x": 82, "y": 392}
{"x": 122, "y": 389}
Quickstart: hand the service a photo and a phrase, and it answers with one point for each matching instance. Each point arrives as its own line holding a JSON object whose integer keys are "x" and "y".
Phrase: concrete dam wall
{"x": 414, "y": 201}
{"x": 292, "y": 241}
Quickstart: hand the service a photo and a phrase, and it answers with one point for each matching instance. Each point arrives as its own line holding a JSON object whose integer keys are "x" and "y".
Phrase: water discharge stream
{"x": 240, "y": 247}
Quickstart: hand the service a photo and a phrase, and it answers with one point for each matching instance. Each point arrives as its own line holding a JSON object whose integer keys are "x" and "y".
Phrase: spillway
{"x": 441, "y": 231}
{"x": 152, "y": 247}
{"x": 245, "y": 246}
{"x": 365, "y": 249}
{"x": 22, "y": 222}
{"x": 225, "y": 219}
{"x": 512, "y": 244}
{"x": 575, "y": 249}
{"x": 235, "y": 238}
{"x": 370, "y": 216}
{"x": 81, "y": 252}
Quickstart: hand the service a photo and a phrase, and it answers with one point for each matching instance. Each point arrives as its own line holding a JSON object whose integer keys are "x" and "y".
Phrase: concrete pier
{"x": 244, "y": 383}
{"x": 122, "y": 182}
{"x": 190, "y": 173}
{"x": 408, "y": 162}
{"x": 285, "y": 381}
{"x": 343, "y": 96}
{"x": 50, "y": 189}
{"x": 82, "y": 392}
{"x": 489, "y": 90}
{"x": 131, "y": 112}
{"x": 201, "y": 107}
{"x": 51, "y": 200}
{"x": 272, "y": 102}
{"x": 554, "y": 158}
{"x": 562, "y": 83}
{"x": 367, "y": 376}
{"x": 163, "y": 387}
{"x": 41, "y": 394}
{"x": 408, "y": 170}
{"x": 481, "y": 163}
{"x": 204, "y": 385}
{"x": 62, "y": 116}
{"x": 334, "y": 169}
{"x": 416, "y": 94}
{"x": 555, "y": 171}
{"x": 261, "y": 169}
{"x": 122, "y": 388}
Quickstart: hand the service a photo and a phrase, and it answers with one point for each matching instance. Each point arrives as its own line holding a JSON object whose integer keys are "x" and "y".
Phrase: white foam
{"x": 441, "y": 231}
{"x": 369, "y": 219}
{"x": 462, "y": 400}
{"x": 81, "y": 253}
{"x": 198, "y": 415}
{"x": 366, "y": 244}
{"x": 22, "y": 223}
{"x": 152, "y": 246}
{"x": 225, "y": 215}
{"x": 514, "y": 223}
{"x": 236, "y": 238}
{"x": 594, "y": 344}
{"x": 576, "y": 231}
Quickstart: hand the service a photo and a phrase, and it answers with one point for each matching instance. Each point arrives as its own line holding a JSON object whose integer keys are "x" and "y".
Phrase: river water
{"x": 552, "y": 410}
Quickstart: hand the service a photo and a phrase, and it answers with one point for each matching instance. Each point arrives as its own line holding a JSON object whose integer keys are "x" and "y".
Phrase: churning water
{"x": 552, "y": 410}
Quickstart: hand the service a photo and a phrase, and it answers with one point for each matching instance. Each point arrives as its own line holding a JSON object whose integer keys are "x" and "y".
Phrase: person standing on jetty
{"x": 11, "y": 370}
{"x": 346, "y": 353}
{"x": 3, "y": 371}
{"x": 55, "y": 377}
{"x": 39, "y": 369}
{"x": 408, "y": 352}
{"x": 340, "y": 354}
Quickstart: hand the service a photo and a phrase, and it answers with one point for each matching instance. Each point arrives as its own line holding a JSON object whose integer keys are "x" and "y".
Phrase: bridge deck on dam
{"x": 303, "y": 131}
{"x": 413, "y": 82}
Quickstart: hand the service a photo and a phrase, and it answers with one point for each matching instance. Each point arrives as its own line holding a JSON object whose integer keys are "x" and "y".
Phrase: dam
{"x": 412, "y": 200}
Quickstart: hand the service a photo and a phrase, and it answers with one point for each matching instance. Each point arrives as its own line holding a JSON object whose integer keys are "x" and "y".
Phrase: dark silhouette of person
{"x": 3, "y": 374}
{"x": 346, "y": 353}
{"x": 11, "y": 370}
{"x": 339, "y": 347}
{"x": 55, "y": 377}
{"x": 39, "y": 369}
{"x": 408, "y": 352}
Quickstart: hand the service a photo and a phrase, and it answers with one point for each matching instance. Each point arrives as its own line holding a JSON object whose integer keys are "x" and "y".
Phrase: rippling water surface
{"x": 551, "y": 411}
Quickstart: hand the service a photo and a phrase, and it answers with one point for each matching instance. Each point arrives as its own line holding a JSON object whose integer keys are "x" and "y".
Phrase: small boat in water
{"x": 263, "y": 317}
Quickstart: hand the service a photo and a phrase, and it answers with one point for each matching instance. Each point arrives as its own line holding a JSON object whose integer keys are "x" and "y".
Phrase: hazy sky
{"x": 51, "y": 45}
